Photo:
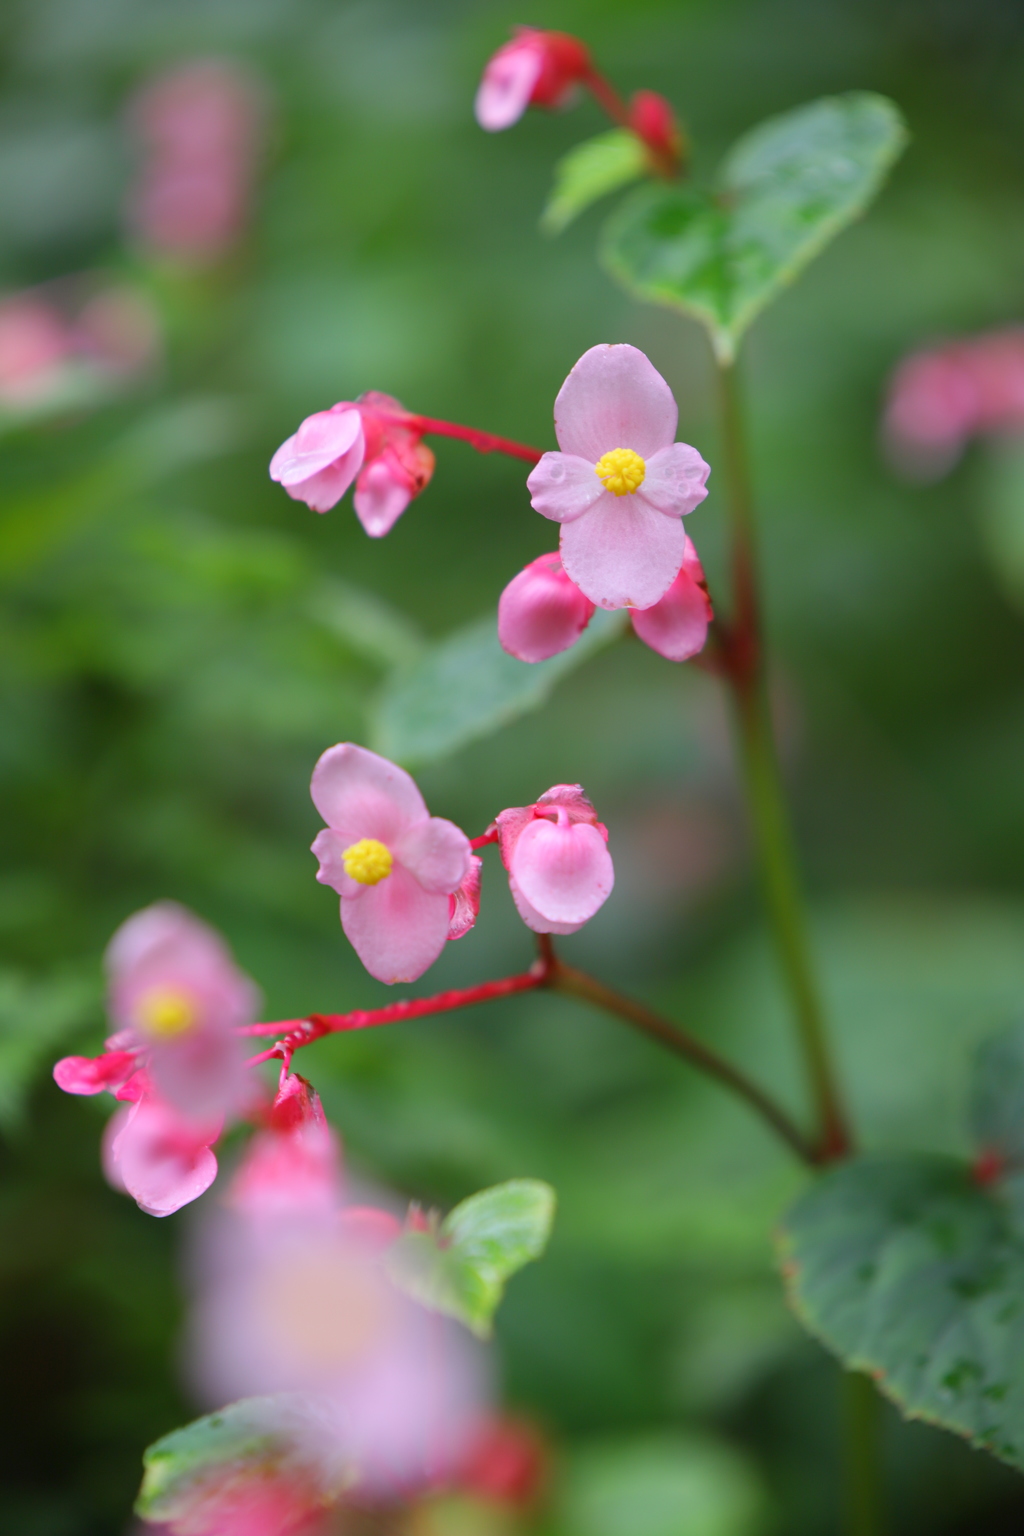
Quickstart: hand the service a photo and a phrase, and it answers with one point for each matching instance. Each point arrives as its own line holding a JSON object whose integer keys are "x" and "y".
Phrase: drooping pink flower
{"x": 159, "y": 1156}
{"x": 677, "y": 625}
{"x": 620, "y": 485}
{"x": 540, "y": 69}
{"x": 395, "y": 867}
{"x": 541, "y": 612}
{"x": 373, "y": 438}
{"x": 559, "y": 869}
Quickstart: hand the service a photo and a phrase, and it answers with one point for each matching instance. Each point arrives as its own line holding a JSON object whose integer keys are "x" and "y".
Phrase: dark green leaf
{"x": 461, "y": 1267}
{"x": 997, "y": 1101}
{"x": 908, "y": 1270}
{"x": 216, "y": 1465}
{"x": 783, "y": 192}
{"x": 592, "y": 170}
{"x": 466, "y": 686}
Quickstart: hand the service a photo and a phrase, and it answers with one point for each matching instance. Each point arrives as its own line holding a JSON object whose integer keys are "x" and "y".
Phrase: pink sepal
{"x": 94, "y": 1074}
{"x": 677, "y": 626}
{"x": 464, "y": 903}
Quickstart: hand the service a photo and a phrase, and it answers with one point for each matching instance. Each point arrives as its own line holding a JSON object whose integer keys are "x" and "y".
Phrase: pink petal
{"x": 563, "y": 486}
{"x": 541, "y": 612}
{"x": 320, "y": 462}
{"x": 383, "y": 491}
{"x": 576, "y": 805}
{"x": 94, "y": 1074}
{"x": 362, "y": 795}
{"x": 614, "y": 398}
{"x": 202, "y": 1073}
{"x": 436, "y": 852}
{"x": 329, "y": 848}
{"x": 674, "y": 482}
{"x": 563, "y": 871}
{"x": 622, "y": 554}
{"x": 396, "y": 928}
{"x": 508, "y": 82}
{"x": 160, "y": 1159}
{"x": 533, "y": 919}
{"x": 464, "y": 904}
{"x": 677, "y": 626}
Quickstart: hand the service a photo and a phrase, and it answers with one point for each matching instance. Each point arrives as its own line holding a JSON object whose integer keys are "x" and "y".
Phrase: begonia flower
{"x": 158, "y": 1156}
{"x": 540, "y": 69}
{"x": 373, "y": 438}
{"x": 396, "y": 868}
{"x": 620, "y": 484}
{"x": 559, "y": 869}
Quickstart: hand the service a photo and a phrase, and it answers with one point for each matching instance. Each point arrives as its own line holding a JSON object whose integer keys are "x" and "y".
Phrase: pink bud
{"x": 540, "y": 69}
{"x": 560, "y": 871}
{"x": 677, "y": 625}
{"x": 541, "y": 612}
{"x": 294, "y": 1166}
{"x": 652, "y": 120}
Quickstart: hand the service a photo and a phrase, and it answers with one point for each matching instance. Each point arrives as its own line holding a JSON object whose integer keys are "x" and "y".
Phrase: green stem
{"x": 745, "y": 671}
{"x": 862, "y": 1406}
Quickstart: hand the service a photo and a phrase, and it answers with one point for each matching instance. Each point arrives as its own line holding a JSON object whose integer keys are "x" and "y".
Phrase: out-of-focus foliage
{"x": 179, "y": 641}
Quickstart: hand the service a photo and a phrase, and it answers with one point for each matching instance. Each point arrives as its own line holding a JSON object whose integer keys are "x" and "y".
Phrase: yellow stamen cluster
{"x": 165, "y": 1013}
{"x": 622, "y": 471}
{"x": 368, "y": 861}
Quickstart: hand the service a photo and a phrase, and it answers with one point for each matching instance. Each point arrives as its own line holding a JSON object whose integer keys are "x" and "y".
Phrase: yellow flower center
{"x": 165, "y": 1013}
{"x": 622, "y": 471}
{"x": 368, "y": 861}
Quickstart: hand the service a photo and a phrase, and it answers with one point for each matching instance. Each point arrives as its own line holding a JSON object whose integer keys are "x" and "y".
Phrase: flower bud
{"x": 540, "y": 69}
{"x": 559, "y": 869}
{"x": 652, "y": 120}
{"x": 542, "y": 612}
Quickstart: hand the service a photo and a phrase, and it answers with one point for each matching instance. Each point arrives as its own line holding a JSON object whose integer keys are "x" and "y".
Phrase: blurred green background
{"x": 180, "y": 641}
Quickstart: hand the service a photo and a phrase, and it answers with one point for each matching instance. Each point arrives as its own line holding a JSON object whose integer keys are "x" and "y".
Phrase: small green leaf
{"x": 906, "y": 1269}
{"x": 466, "y": 686}
{"x": 662, "y": 1485}
{"x": 783, "y": 192}
{"x": 592, "y": 170}
{"x": 461, "y": 1267}
{"x": 199, "y": 1474}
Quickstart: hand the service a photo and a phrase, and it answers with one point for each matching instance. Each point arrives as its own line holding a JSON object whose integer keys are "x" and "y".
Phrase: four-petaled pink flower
{"x": 374, "y": 438}
{"x": 396, "y": 868}
{"x": 536, "y": 68}
{"x": 559, "y": 869}
{"x": 620, "y": 485}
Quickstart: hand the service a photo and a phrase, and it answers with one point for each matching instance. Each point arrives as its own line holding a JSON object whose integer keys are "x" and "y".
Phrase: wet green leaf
{"x": 590, "y": 171}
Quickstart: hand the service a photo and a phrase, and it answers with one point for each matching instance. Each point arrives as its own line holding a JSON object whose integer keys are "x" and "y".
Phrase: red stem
{"x": 483, "y": 442}
{"x": 483, "y": 840}
{"x": 605, "y": 94}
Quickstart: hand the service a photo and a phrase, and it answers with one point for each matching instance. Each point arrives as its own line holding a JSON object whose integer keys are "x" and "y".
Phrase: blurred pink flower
{"x": 536, "y": 68}
{"x": 373, "y": 438}
{"x": 118, "y": 329}
{"x": 158, "y": 1156}
{"x": 620, "y": 485}
{"x": 940, "y": 398}
{"x": 395, "y": 867}
{"x": 559, "y": 869}
{"x": 35, "y": 346}
{"x": 200, "y": 128}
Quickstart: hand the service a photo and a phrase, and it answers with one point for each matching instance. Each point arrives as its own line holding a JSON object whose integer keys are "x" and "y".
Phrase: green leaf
{"x": 198, "y": 1474}
{"x": 662, "y": 1485}
{"x": 36, "y": 1017}
{"x": 461, "y": 1267}
{"x": 997, "y": 1102}
{"x": 905, "y": 1268}
{"x": 592, "y": 170}
{"x": 783, "y": 192}
{"x": 466, "y": 686}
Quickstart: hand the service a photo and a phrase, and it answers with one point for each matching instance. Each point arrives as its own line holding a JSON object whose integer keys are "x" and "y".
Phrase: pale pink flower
{"x": 677, "y": 625}
{"x": 541, "y": 612}
{"x": 536, "y": 68}
{"x": 395, "y": 867}
{"x": 158, "y": 1156}
{"x": 373, "y": 438}
{"x": 620, "y": 485}
{"x": 940, "y": 398}
{"x": 559, "y": 868}
{"x": 35, "y": 347}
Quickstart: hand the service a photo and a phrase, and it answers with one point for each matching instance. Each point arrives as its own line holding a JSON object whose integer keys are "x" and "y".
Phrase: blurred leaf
{"x": 466, "y": 686}
{"x": 1002, "y": 515}
{"x": 35, "y": 1017}
{"x": 274, "y": 1448}
{"x": 783, "y": 192}
{"x": 372, "y": 627}
{"x": 461, "y": 1267}
{"x": 905, "y": 1268}
{"x": 592, "y": 170}
{"x": 997, "y": 1102}
{"x": 662, "y": 1486}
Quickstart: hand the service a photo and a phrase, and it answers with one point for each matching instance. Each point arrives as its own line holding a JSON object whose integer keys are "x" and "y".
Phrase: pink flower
{"x": 158, "y": 1156}
{"x": 541, "y": 612}
{"x": 295, "y": 1164}
{"x": 536, "y": 68}
{"x": 35, "y": 347}
{"x": 941, "y": 398}
{"x": 620, "y": 485}
{"x": 373, "y": 438}
{"x": 396, "y": 868}
{"x": 559, "y": 869}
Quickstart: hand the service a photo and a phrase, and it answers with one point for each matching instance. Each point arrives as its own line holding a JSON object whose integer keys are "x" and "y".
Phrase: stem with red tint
{"x": 606, "y": 96}
{"x": 483, "y": 442}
